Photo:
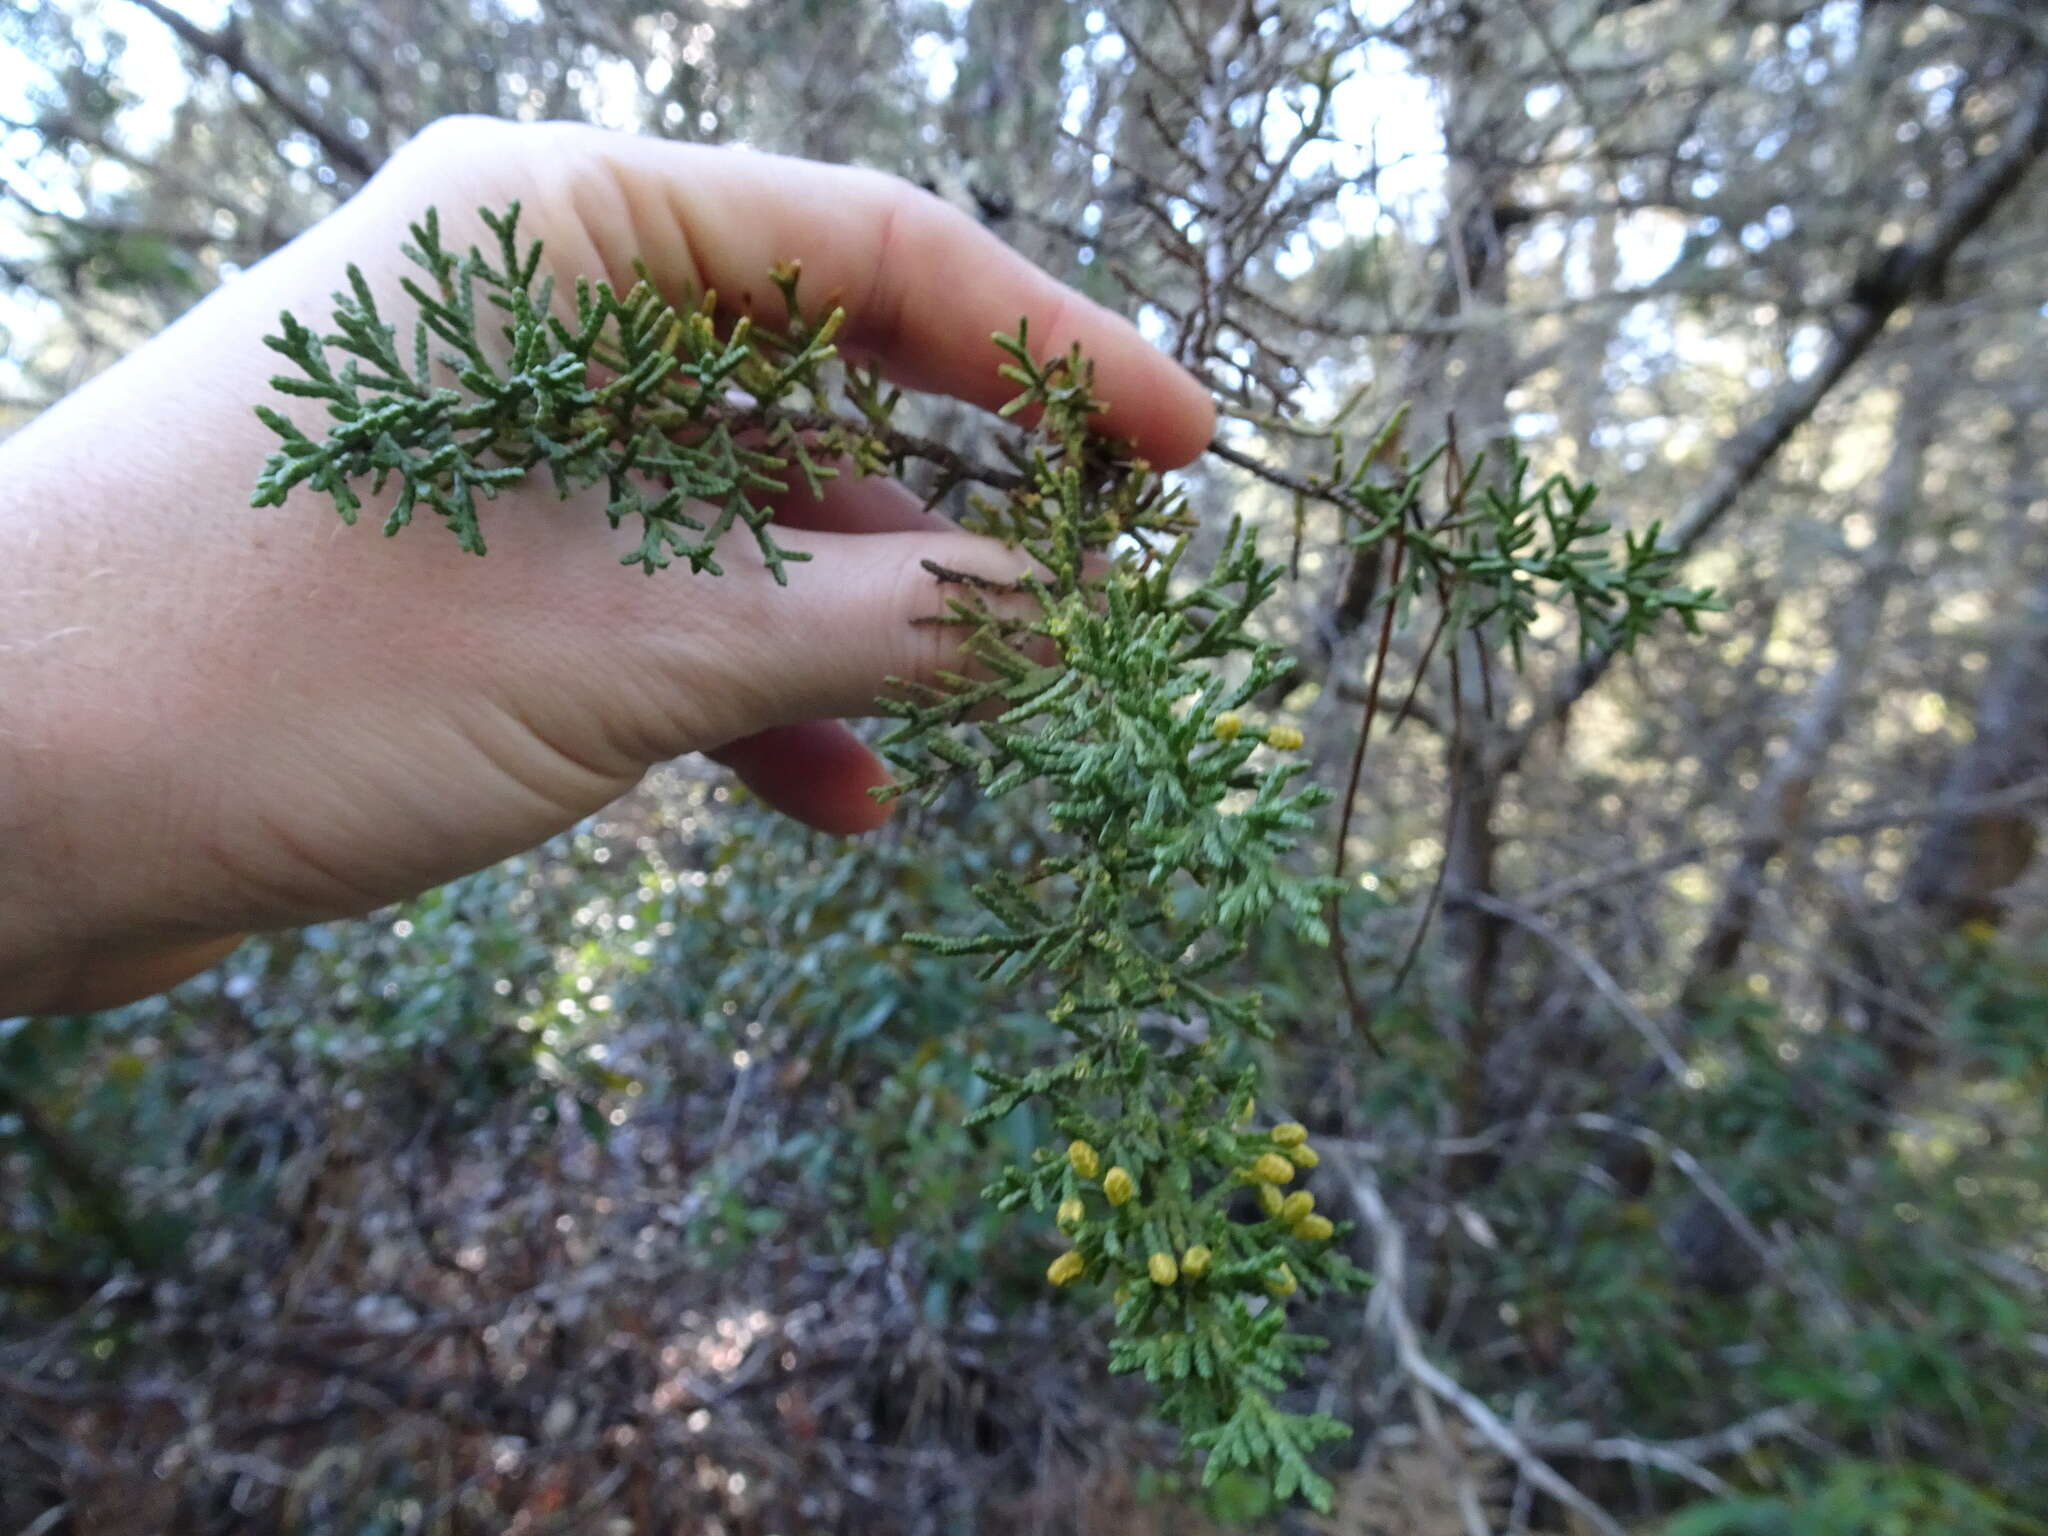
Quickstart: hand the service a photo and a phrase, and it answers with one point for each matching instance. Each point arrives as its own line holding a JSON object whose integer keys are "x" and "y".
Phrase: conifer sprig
{"x": 691, "y": 428}
{"x": 1119, "y": 694}
{"x": 1502, "y": 543}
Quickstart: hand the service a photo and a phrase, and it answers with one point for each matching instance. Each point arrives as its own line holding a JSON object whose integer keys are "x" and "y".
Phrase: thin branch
{"x": 1695, "y": 1173}
{"x": 1390, "y": 1265}
{"x": 2032, "y": 792}
{"x": 1886, "y": 283}
{"x": 1349, "y": 801}
{"x": 1602, "y": 979}
{"x": 1681, "y": 1458}
{"x": 226, "y": 46}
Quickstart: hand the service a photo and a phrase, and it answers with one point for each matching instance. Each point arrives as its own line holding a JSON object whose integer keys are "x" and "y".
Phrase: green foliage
{"x": 1113, "y": 689}
{"x": 783, "y": 947}
{"x": 1111, "y": 684}
{"x": 1861, "y": 1499}
{"x": 70, "y": 1088}
{"x": 1900, "y": 1316}
{"x": 1503, "y": 544}
{"x": 116, "y": 260}
{"x": 674, "y": 407}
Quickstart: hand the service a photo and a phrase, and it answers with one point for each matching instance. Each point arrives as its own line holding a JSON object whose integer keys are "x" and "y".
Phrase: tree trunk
{"x": 1461, "y": 385}
{"x": 1966, "y": 862}
{"x": 1787, "y": 790}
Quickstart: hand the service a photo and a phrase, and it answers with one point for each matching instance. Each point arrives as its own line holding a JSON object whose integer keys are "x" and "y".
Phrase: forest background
{"x": 1688, "y": 1098}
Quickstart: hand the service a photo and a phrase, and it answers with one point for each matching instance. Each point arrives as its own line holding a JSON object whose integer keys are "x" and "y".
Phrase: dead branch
{"x": 1389, "y": 1311}
{"x": 1896, "y": 275}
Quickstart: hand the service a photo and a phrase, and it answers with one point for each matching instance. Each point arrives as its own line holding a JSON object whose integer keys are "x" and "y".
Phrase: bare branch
{"x": 1681, "y": 1458}
{"x": 2032, "y": 792}
{"x": 227, "y": 47}
{"x": 1887, "y": 283}
{"x": 1390, "y": 1265}
{"x": 1602, "y": 979}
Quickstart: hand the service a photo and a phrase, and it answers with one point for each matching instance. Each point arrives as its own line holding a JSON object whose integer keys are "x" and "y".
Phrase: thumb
{"x": 856, "y": 623}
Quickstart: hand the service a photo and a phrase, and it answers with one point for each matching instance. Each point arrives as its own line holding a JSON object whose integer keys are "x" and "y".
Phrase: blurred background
{"x": 1698, "y": 1139}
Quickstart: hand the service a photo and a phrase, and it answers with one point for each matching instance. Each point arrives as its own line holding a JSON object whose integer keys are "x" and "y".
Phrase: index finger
{"x": 924, "y": 286}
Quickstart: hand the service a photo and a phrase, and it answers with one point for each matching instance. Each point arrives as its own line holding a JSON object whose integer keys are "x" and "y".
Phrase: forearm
{"x": 41, "y": 948}
{"x": 97, "y": 589}
{"x": 58, "y": 977}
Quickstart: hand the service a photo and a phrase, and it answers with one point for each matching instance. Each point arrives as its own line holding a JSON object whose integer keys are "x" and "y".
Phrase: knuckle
{"x": 909, "y": 215}
{"x": 455, "y": 138}
{"x": 931, "y": 646}
{"x": 887, "y": 187}
{"x": 470, "y": 144}
{"x": 927, "y": 599}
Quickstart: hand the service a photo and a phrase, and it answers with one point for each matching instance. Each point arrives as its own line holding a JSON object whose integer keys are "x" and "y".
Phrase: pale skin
{"x": 216, "y": 720}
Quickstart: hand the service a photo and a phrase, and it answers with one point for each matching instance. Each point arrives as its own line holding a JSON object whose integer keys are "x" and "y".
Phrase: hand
{"x": 215, "y": 719}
